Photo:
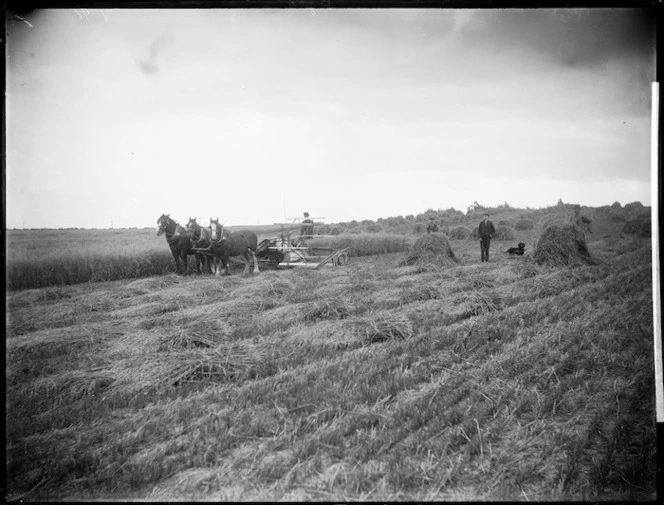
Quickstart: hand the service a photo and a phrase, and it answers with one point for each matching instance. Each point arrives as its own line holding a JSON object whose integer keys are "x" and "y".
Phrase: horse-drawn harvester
{"x": 282, "y": 252}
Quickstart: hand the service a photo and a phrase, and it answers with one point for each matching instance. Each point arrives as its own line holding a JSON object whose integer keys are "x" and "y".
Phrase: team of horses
{"x": 212, "y": 247}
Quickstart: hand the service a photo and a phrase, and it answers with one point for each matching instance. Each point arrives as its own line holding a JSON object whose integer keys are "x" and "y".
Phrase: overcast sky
{"x": 254, "y": 116}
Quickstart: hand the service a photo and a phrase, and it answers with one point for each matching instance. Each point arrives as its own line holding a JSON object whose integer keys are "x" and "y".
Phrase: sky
{"x": 256, "y": 116}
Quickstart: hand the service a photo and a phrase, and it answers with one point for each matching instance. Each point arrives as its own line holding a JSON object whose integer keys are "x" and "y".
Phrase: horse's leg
{"x": 253, "y": 254}
{"x": 217, "y": 266}
{"x": 198, "y": 263}
{"x": 226, "y": 266}
{"x": 247, "y": 262}
{"x": 177, "y": 261}
{"x": 183, "y": 257}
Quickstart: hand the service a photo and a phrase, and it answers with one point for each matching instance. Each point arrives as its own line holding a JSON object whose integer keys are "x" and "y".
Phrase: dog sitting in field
{"x": 517, "y": 250}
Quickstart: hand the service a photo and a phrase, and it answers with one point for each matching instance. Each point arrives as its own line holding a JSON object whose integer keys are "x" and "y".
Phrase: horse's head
{"x": 194, "y": 228}
{"x": 192, "y": 224}
{"x": 163, "y": 223}
{"x": 216, "y": 229}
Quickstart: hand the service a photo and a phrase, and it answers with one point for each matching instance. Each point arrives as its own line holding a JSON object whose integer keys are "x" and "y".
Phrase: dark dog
{"x": 517, "y": 250}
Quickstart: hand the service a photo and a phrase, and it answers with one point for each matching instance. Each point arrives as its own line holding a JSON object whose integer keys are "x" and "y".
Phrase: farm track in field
{"x": 371, "y": 381}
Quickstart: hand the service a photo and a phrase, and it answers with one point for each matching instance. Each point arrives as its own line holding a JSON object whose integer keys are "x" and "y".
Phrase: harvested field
{"x": 374, "y": 381}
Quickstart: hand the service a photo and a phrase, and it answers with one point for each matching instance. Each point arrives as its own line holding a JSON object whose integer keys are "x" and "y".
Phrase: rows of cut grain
{"x": 371, "y": 381}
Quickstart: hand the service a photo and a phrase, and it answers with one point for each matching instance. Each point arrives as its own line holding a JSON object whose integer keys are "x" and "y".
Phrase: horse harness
{"x": 201, "y": 239}
{"x": 175, "y": 236}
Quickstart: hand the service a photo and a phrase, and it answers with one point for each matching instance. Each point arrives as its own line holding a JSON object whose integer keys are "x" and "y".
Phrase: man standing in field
{"x": 487, "y": 231}
{"x": 581, "y": 221}
{"x": 432, "y": 226}
{"x": 307, "y": 228}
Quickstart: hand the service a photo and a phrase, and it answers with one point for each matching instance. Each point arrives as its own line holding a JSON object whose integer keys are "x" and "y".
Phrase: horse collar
{"x": 174, "y": 236}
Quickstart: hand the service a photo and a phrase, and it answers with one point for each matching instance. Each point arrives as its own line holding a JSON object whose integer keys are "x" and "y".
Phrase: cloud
{"x": 158, "y": 47}
{"x": 420, "y": 106}
{"x": 569, "y": 37}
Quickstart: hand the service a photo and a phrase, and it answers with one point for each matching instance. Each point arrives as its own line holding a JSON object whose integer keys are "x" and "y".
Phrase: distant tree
{"x": 560, "y": 202}
{"x": 475, "y": 206}
{"x": 634, "y": 206}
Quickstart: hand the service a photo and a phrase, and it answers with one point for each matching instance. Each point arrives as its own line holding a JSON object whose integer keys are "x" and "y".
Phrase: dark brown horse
{"x": 201, "y": 239}
{"x": 179, "y": 240}
{"x": 226, "y": 244}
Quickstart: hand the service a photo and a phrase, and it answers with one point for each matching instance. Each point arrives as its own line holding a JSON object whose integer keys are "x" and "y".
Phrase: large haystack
{"x": 562, "y": 244}
{"x": 433, "y": 248}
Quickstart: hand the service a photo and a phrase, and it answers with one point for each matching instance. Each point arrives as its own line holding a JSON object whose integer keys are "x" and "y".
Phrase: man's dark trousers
{"x": 484, "y": 247}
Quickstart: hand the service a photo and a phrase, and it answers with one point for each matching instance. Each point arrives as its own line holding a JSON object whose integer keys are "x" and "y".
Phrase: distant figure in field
{"x": 432, "y": 226}
{"x": 307, "y": 228}
{"x": 487, "y": 231}
{"x": 581, "y": 221}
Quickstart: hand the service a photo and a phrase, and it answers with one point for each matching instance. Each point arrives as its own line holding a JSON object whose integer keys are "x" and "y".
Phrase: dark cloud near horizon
{"x": 618, "y": 45}
{"x": 570, "y": 37}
